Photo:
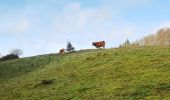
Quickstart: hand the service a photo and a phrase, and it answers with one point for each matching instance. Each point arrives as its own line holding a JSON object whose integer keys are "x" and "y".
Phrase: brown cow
{"x": 99, "y": 44}
{"x": 62, "y": 51}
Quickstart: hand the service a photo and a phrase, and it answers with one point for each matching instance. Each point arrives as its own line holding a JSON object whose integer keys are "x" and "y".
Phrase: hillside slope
{"x": 123, "y": 73}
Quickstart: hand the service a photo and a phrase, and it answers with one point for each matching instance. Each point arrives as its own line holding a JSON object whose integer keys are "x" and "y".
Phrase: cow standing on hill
{"x": 62, "y": 51}
{"x": 99, "y": 44}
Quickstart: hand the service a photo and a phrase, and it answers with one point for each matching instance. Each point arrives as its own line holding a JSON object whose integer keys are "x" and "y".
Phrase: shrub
{"x": 9, "y": 57}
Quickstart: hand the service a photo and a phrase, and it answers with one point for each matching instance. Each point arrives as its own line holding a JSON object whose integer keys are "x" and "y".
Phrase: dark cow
{"x": 99, "y": 44}
{"x": 62, "y": 51}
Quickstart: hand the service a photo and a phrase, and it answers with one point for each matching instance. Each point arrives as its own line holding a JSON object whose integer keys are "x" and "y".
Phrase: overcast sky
{"x": 44, "y": 26}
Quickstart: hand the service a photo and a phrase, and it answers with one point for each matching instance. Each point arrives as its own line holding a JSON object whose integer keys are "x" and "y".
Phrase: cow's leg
{"x": 104, "y": 47}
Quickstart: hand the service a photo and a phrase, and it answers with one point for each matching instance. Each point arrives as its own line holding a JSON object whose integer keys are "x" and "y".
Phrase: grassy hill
{"x": 123, "y": 73}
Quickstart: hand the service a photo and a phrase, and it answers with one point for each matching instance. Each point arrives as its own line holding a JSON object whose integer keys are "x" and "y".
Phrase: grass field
{"x": 128, "y": 73}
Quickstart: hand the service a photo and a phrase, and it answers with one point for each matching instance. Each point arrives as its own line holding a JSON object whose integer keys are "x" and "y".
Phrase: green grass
{"x": 128, "y": 73}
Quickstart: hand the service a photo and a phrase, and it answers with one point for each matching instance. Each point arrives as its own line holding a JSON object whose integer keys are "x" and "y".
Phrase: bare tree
{"x": 161, "y": 37}
{"x": 16, "y": 52}
{"x": 150, "y": 40}
{"x": 166, "y": 36}
{"x": 140, "y": 42}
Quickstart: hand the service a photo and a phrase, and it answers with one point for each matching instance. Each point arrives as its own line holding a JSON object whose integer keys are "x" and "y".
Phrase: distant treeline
{"x": 161, "y": 37}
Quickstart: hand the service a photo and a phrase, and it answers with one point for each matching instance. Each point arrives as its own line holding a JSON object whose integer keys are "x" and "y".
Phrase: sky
{"x": 45, "y": 26}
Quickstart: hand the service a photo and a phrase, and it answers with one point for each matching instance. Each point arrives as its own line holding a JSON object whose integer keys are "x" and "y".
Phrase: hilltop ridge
{"x": 120, "y": 73}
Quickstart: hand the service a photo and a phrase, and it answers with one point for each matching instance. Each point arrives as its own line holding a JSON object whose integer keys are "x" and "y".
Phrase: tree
{"x": 127, "y": 42}
{"x": 16, "y": 52}
{"x": 168, "y": 36}
{"x": 140, "y": 42}
{"x": 13, "y": 54}
{"x": 150, "y": 40}
{"x": 69, "y": 47}
{"x": 161, "y": 37}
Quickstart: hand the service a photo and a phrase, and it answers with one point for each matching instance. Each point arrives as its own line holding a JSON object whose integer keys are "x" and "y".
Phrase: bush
{"x": 9, "y": 57}
{"x": 13, "y": 54}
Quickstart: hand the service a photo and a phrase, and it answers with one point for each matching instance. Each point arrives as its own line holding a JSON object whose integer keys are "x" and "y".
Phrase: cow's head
{"x": 93, "y": 43}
